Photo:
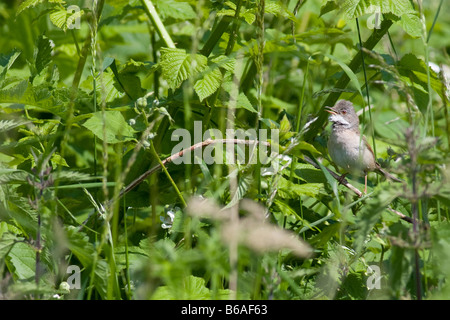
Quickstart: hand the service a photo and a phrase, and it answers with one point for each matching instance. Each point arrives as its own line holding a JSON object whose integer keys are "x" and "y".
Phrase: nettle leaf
{"x": 211, "y": 79}
{"x": 247, "y": 14}
{"x": 62, "y": 19}
{"x": 209, "y": 83}
{"x": 6, "y": 125}
{"x": 32, "y": 3}
{"x": 409, "y": 20}
{"x": 411, "y": 23}
{"x": 21, "y": 260}
{"x": 175, "y": 9}
{"x": 328, "y": 7}
{"x": 415, "y": 69}
{"x": 278, "y": 9}
{"x": 177, "y": 65}
{"x": 191, "y": 288}
{"x": 271, "y": 7}
{"x": 116, "y": 128}
{"x": 6, "y": 61}
{"x": 42, "y": 54}
{"x": 289, "y": 190}
{"x": 242, "y": 100}
{"x": 356, "y": 8}
{"x": 59, "y": 18}
{"x": 78, "y": 243}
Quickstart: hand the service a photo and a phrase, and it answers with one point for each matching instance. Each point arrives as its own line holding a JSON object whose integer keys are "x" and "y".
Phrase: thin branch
{"x": 175, "y": 156}
{"x": 355, "y": 190}
{"x": 344, "y": 182}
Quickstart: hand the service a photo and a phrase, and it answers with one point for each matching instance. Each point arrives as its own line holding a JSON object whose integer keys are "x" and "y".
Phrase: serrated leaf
{"x": 191, "y": 288}
{"x": 328, "y": 7}
{"x": 415, "y": 69}
{"x": 6, "y": 61}
{"x": 209, "y": 83}
{"x": 116, "y": 128}
{"x": 7, "y": 240}
{"x": 289, "y": 190}
{"x": 72, "y": 18}
{"x": 6, "y": 125}
{"x": 43, "y": 53}
{"x": 286, "y": 209}
{"x": 78, "y": 243}
{"x": 411, "y": 24}
{"x": 285, "y": 125}
{"x": 22, "y": 259}
{"x": 177, "y": 65}
{"x": 243, "y": 102}
{"x": 27, "y": 4}
{"x": 278, "y": 9}
{"x": 32, "y": 3}
{"x": 356, "y": 8}
{"x": 175, "y": 9}
{"x": 59, "y": 18}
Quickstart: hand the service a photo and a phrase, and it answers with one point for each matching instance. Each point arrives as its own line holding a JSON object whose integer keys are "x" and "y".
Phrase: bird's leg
{"x": 365, "y": 183}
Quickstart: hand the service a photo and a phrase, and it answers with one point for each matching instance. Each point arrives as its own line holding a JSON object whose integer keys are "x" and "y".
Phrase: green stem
{"x": 167, "y": 174}
{"x": 299, "y": 114}
{"x": 157, "y": 23}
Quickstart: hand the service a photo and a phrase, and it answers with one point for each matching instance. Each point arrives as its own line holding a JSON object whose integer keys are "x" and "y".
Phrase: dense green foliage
{"x": 90, "y": 97}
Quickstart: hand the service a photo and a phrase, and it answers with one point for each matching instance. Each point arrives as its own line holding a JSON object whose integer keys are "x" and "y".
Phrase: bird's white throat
{"x": 337, "y": 118}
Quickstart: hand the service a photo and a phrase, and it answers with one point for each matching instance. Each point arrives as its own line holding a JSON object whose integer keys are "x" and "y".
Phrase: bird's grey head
{"x": 343, "y": 115}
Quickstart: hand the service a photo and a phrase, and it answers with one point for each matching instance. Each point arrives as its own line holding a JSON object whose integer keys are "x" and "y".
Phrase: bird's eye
{"x": 344, "y": 112}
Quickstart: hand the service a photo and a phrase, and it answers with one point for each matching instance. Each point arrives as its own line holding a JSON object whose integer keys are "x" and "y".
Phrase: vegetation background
{"x": 91, "y": 91}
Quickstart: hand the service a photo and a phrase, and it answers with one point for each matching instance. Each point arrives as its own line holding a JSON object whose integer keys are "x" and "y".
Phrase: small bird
{"x": 347, "y": 147}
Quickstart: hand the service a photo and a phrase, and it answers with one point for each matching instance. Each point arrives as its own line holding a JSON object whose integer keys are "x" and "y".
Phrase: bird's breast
{"x": 348, "y": 150}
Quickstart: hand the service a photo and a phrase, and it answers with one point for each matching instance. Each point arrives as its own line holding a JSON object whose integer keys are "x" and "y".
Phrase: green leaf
{"x": 7, "y": 240}
{"x": 42, "y": 55}
{"x": 348, "y": 71}
{"x": 371, "y": 212}
{"x": 411, "y": 24}
{"x": 6, "y": 61}
{"x": 303, "y": 145}
{"x": 403, "y": 9}
{"x": 244, "y": 103}
{"x": 328, "y": 7}
{"x": 6, "y": 125}
{"x": 59, "y": 18}
{"x": 174, "y": 9}
{"x": 278, "y": 9}
{"x": 27, "y": 4}
{"x": 21, "y": 261}
{"x": 209, "y": 83}
{"x": 415, "y": 69}
{"x": 191, "y": 288}
{"x": 356, "y": 8}
{"x": 289, "y": 190}
{"x": 116, "y": 128}
{"x": 177, "y": 65}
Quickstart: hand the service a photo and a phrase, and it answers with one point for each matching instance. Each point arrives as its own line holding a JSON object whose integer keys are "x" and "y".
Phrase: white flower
{"x": 277, "y": 164}
{"x": 167, "y": 220}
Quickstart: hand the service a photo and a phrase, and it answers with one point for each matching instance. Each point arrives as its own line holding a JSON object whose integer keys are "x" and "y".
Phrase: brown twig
{"x": 344, "y": 182}
{"x": 175, "y": 156}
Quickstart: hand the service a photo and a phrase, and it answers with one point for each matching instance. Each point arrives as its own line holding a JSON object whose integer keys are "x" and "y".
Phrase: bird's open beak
{"x": 330, "y": 110}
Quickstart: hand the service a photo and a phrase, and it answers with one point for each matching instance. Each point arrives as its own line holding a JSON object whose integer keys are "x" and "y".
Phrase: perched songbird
{"x": 347, "y": 147}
